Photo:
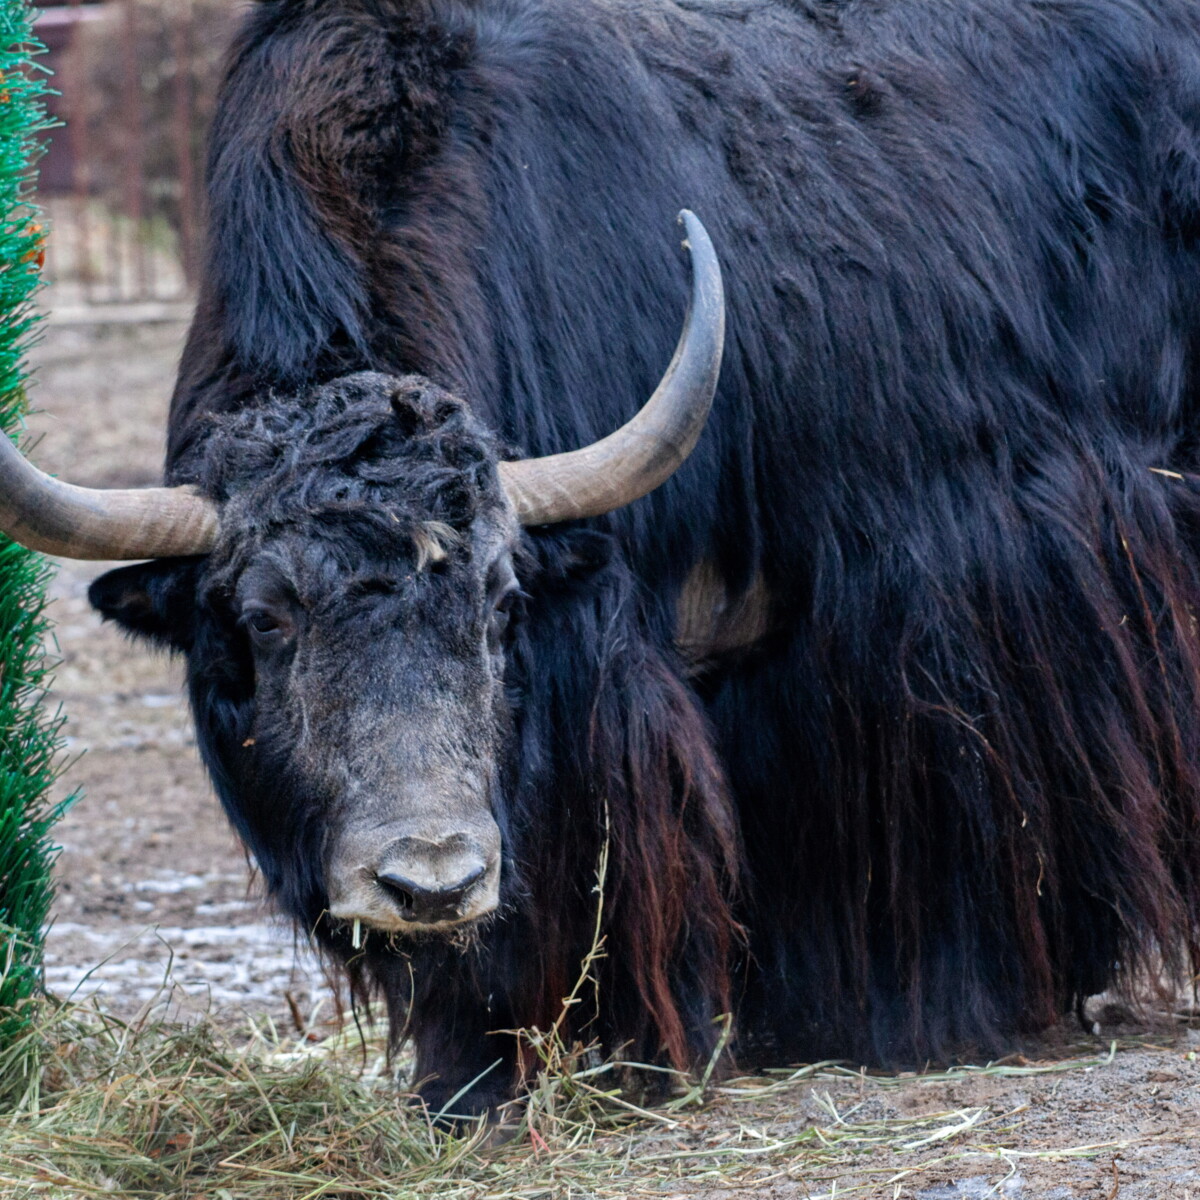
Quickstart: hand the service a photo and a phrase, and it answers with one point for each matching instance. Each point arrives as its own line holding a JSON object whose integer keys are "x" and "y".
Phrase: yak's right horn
{"x": 44, "y": 514}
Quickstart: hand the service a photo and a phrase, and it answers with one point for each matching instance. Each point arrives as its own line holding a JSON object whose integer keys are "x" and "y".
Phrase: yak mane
{"x": 962, "y": 246}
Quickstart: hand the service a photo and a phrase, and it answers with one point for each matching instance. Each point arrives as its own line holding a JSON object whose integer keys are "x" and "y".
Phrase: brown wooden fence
{"x": 121, "y": 182}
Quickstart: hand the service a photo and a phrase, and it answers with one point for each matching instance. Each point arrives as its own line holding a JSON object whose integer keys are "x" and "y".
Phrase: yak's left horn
{"x": 45, "y": 514}
{"x": 647, "y": 451}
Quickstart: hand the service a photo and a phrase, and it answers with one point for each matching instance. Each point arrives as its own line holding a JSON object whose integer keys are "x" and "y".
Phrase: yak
{"x": 873, "y": 726}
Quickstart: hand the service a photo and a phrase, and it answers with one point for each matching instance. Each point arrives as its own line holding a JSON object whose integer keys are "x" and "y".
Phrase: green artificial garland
{"x": 29, "y": 736}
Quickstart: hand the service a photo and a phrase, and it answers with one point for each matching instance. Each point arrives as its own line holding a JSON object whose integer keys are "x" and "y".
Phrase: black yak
{"x": 886, "y": 704}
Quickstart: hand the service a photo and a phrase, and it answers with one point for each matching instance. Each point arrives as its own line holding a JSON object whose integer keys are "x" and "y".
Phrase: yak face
{"x": 346, "y": 649}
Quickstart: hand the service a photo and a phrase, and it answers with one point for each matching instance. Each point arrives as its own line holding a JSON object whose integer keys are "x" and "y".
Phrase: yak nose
{"x": 427, "y": 901}
{"x": 406, "y": 882}
{"x": 430, "y": 881}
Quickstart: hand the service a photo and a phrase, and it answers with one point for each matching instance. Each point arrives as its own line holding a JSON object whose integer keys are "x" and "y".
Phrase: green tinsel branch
{"x": 29, "y": 736}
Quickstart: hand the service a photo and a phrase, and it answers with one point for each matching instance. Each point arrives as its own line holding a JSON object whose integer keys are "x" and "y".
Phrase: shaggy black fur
{"x": 962, "y": 249}
{"x": 603, "y": 748}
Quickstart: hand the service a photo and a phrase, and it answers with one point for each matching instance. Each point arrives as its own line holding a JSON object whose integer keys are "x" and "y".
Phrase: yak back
{"x": 950, "y": 238}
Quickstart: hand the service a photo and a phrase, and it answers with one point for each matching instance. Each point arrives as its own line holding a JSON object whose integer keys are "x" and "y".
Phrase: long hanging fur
{"x": 952, "y": 445}
{"x": 612, "y": 764}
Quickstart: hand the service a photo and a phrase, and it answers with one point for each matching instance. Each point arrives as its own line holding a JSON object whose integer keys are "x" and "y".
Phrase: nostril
{"x": 426, "y": 903}
{"x": 464, "y": 885}
{"x": 400, "y": 889}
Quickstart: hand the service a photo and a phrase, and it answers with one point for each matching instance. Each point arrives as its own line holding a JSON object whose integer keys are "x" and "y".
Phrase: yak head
{"x": 340, "y": 571}
{"x": 345, "y": 638}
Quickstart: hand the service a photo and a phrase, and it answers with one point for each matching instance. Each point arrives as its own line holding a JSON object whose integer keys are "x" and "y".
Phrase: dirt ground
{"x": 150, "y": 873}
{"x": 150, "y": 877}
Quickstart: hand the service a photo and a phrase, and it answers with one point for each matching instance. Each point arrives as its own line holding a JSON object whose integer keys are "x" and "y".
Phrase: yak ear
{"x": 154, "y": 600}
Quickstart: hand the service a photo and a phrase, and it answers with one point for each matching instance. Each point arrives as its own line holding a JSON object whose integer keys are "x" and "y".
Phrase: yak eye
{"x": 264, "y": 626}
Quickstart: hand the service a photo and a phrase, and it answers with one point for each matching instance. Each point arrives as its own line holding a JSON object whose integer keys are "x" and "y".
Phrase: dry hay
{"x": 150, "y": 1109}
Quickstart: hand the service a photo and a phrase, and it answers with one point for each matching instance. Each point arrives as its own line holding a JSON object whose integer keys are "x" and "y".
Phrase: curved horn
{"x": 44, "y": 514}
{"x": 647, "y": 451}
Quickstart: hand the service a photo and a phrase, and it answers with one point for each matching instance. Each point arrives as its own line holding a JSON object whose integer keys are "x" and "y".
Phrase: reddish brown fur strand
{"x": 645, "y": 775}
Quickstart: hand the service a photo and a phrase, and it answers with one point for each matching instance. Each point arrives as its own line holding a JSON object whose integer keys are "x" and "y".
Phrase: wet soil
{"x": 150, "y": 877}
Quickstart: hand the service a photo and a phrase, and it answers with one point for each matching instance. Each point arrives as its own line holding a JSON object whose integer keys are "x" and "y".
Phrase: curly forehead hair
{"x": 368, "y": 457}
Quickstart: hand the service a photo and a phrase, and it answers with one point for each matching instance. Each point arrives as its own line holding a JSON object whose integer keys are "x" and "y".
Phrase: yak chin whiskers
{"x": 465, "y": 938}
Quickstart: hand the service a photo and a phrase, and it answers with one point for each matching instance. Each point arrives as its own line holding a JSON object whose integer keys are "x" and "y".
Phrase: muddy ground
{"x": 150, "y": 877}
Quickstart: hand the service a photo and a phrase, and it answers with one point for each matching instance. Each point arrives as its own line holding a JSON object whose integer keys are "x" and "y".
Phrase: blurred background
{"x": 122, "y": 182}
{"x": 150, "y": 877}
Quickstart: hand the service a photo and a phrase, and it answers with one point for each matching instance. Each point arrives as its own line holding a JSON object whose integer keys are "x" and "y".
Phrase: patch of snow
{"x": 173, "y": 883}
